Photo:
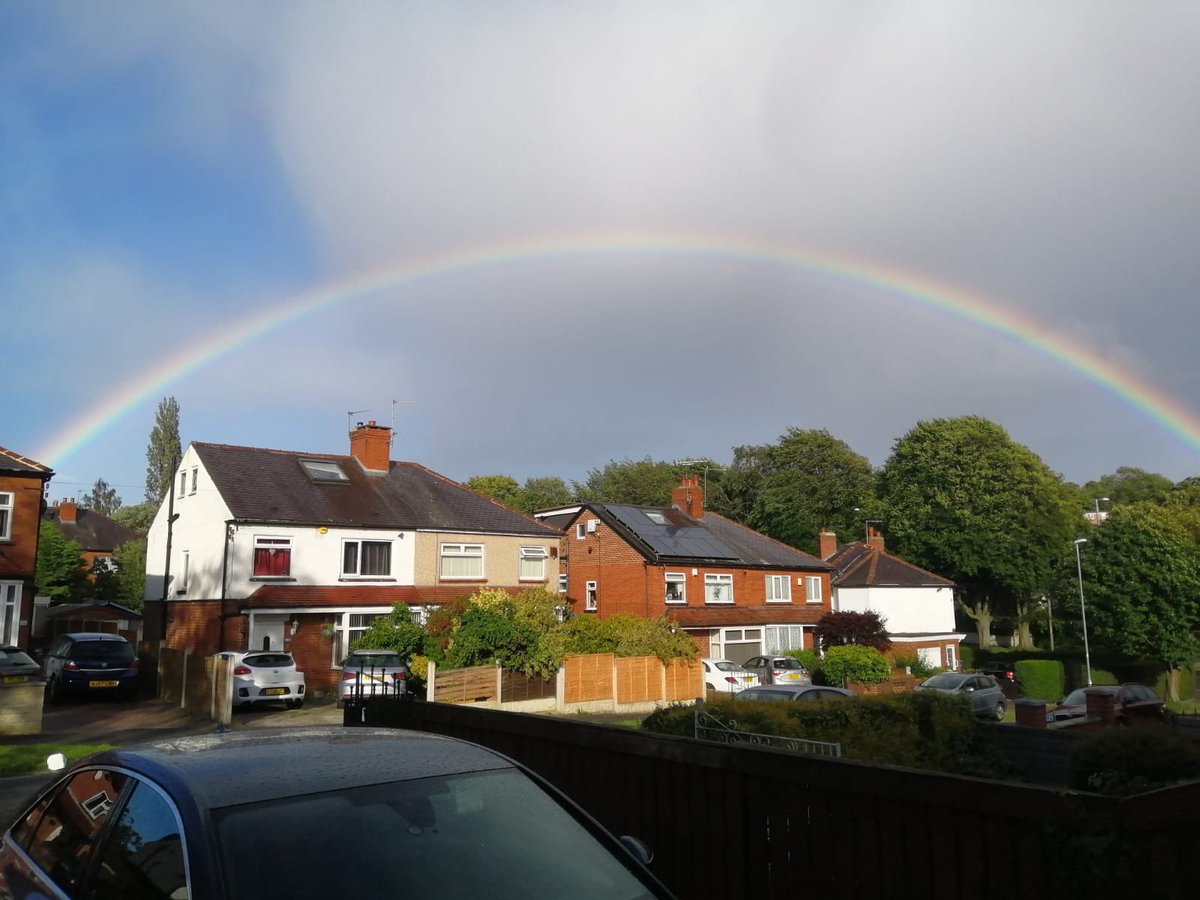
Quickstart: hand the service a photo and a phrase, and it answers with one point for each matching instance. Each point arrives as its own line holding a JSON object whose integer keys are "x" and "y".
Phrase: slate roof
{"x": 859, "y": 566}
{"x": 91, "y": 530}
{"x": 16, "y": 463}
{"x": 713, "y": 539}
{"x": 272, "y": 486}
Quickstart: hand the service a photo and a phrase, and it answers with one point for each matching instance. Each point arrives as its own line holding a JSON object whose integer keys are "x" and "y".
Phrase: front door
{"x": 266, "y": 632}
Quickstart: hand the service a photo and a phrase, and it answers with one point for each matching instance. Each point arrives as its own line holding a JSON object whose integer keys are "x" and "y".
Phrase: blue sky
{"x": 171, "y": 169}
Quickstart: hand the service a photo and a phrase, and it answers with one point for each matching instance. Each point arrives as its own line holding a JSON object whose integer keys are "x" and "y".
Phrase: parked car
{"x": 778, "y": 670}
{"x": 262, "y": 676}
{"x": 91, "y": 663}
{"x": 1001, "y": 671}
{"x": 369, "y": 673}
{"x": 798, "y": 692}
{"x": 328, "y": 812}
{"x": 986, "y": 696}
{"x": 1134, "y": 702}
{"x": 725, "y": 677}
{"x": 17, "y": 666}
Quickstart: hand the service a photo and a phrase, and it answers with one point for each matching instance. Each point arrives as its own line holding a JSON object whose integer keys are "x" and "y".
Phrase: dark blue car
{"x": 90, "y": 663}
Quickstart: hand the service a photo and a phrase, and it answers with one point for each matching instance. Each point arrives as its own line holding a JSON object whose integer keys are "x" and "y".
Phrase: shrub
{"x": 808, "y": 658}
{"x": 395, "y": 631}
{"x": 853, "y": 663}
{"x": 914, "y": 663}
{"x": 1132, "y": 760}
{"x": 967, "y": 655}
{"x": 1040, "y": 678}
{"x": 865, "y": 629}
{"x": 674, "y": 719}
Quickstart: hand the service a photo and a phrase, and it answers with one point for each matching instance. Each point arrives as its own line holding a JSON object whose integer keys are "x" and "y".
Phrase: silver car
{"x": 803, "y": 693}
{"x": 264, "y": 675}
{"x": 778, "y": 670}
{"x": 985, "y": 695}
{"x": 372, "y": 673}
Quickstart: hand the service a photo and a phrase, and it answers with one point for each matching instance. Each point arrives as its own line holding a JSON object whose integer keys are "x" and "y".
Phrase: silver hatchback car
{"x": 372, "y": 673}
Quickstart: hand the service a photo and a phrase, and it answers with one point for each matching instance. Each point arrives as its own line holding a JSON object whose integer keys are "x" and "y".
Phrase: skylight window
{"x": 656, "y": 517}
{"x": 323, "y": 470}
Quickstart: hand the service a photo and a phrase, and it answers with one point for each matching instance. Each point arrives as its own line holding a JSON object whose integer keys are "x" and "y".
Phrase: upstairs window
{"x": 779, "y": 589}
{"x": 591, "y": 603}
{"x": 580, "y": 530}
{"x": 718, "y": 588}
{"x": 6, "y": 510}
{"x": 462, "y": 561}
{"x": 562, "y": 584}
{"x": 195, "y": 475}
{"x": 531, "y": 563}
{"x": 272, "y": 557}
{"x": 182, "y": 483}
{"x": 676, "y": 587}
{"x": 367, "y": 558}
{"x": 812, "y": 588}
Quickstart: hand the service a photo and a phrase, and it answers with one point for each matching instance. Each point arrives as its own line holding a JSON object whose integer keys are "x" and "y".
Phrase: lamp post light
{"x": 1099, "y": 500}
{"x": 1087, "y": 657}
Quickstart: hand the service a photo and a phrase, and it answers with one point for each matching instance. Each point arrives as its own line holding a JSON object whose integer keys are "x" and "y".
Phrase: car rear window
{"x": 118, "y": 650}
{"x": 268, "y": 660}
{"x": 787, "y": 663}
{"x": 15, "y": 658}
{"x": 378, "y": 660}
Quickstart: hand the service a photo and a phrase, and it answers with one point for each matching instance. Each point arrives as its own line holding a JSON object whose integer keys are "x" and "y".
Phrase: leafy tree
{"x": 733, "y": 490}
{"x": 1141, "y": 576}
{"x": 501, "y": 488}
{"x": 642, "y": 482}
{"x": 964, "y": 500}
{"x": 493, "y": 633}
{"x": 130, "y": 558}
{"x": 864, "y": 629}
{"x": 395, "y": 631}
{"x": 1124, "y": 486}
{"x": 59, "y": 574}
{"x": 811, "y": 480}
{"x": 853, "y": 662}
{"x": 163, "y": 452}
{"x": 102, "y": 498}
{"x": 544, "y": 493}
{"x": 105, "y": 580}
{"x": 139, "y": 517}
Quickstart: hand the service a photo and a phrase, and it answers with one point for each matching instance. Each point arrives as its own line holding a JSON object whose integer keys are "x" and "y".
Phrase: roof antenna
{"x": 350, "y": 414}
{"x": 392, "y": 434}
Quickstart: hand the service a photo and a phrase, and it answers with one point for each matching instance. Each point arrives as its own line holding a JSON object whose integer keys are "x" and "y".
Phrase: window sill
{"x": 719, "y": 603}
{"x": 814, "y": 602}
{"x": 675, "y": 602}
{"x": 532, "y": 580}
{"x": 272, "y": 578}
{"x": 780, "y": 602}
{"x": 359, "y": 578}
{"x": 464, "y": 580}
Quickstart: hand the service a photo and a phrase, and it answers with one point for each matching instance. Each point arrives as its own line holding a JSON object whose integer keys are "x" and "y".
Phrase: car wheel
{"x": 55, "y": 691}
{"x": 998, "y": 712}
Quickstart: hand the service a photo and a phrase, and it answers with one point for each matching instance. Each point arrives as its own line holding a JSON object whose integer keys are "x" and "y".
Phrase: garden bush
{"x": 1040, "y": 678}
{"x": 808, "y": 658}
{"x": 1132, "y": 760}
{"x": 914, "y": 663}
{"x": 850, "y": 662}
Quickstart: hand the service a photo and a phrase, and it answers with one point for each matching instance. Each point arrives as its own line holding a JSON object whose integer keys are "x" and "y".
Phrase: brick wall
{"x": 195, "y": 625}
{"x": 312, "y": 651}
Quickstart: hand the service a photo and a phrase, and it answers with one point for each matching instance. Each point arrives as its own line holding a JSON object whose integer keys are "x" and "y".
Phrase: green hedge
{"x": 1132, "y": 760}
{"x": 1040, "y": 678}
{"x": 922, "y": 730}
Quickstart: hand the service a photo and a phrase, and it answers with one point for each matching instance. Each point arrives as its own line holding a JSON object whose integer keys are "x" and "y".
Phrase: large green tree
{"x": 139, "y": 517}
{"x": 501, "y": 488}
{"x": 1141, "y": 580}
{"x": 164, "y": 451}
{"x": 811, "y": 480}
{"x": 130, "y": 559}
{"x": 1126, "y": 485}
{"x": 59, "y": 574}
{"x": 642, "y": 482}
{"x": 964, "y": 500}
{"x": 733, "y": 490}
{"x": 102, "y": 498}
{"x": 544, "y": 493}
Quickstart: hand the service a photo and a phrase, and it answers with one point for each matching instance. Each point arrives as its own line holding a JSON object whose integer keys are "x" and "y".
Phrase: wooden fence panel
{"x": 588, "y": 677}
{"x": 471, "y": 685}
{"x": 170, "y": 674}
{"x": 198, "y": 686}
{"x": 639, "y": 679}
{"x": 516, "y": 686}
{"x": 685, "y": 680}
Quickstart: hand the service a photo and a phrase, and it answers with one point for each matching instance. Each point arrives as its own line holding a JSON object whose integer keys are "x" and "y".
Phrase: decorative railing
{"x": 710, "y": 728}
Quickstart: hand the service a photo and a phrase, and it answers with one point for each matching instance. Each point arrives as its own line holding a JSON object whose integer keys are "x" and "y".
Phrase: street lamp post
{"x": 1099, "y": 500}
{"x": 1087, "y": 657}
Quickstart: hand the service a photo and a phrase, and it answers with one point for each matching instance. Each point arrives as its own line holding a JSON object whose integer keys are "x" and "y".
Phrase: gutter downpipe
{"x": 229, "y": 526}
{"x": 167, "y": 568}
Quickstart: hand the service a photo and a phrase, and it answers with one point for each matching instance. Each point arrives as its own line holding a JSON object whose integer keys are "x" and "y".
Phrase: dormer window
{"x": 323, "y": 470}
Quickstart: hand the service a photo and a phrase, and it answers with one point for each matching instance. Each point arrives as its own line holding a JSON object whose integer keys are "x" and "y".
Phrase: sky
{"x": 564, "y": 234}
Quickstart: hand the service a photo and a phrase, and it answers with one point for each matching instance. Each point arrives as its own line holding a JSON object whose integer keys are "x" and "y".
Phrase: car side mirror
{"x": 640, "y": 851}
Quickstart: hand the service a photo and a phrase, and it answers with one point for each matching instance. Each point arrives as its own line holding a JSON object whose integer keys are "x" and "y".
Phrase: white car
{"x": 725, "y": 677}
{"x": 263, "y": 675}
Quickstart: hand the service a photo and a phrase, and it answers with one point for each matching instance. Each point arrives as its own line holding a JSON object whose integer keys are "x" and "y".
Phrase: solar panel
{"x": 673, "y": 538}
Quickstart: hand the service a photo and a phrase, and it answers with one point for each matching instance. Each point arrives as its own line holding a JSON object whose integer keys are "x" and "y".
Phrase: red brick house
{"x": 22, "y": 492}
{"x": 736, "y": 592}
{"x": 917, "y": 606}
{"x": 96, "y": 534}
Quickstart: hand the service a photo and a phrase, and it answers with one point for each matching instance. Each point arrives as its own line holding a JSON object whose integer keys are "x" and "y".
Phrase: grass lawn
{"x": 30, "y": 759}
{"x": 1184, "y": 706}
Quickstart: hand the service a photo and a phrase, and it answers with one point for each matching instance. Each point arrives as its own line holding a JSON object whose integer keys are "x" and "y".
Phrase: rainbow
{"x": 1153, "y": 403}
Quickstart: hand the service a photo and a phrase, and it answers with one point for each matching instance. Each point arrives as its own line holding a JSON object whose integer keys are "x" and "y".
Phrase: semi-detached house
{"x": 22, "y": 499}
{"x": 738, "y": 593}
{"x": 301, "y": 551}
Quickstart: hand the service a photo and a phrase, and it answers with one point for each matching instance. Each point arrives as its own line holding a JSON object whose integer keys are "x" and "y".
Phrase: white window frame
{"x": 812, "y": 589}
{"x": 779, "y": 588}
{"x": 343, "y": 631}
{"x": 275, "y": 542}
{"x": 562, "y": 583}
{"x": 186, "y": 568}
{"x": 10, "y": 611}
{"x": 778, "y": 639}
{"x": 529, "y": 555}
{"x": 182, "y": 483}
{"x": 713, "y": 583}
{"x": 680, "y": 580}
{"x": 195, "y": 476}
{"x": 580, "y": 530}
{"x": 358, "y": 557}
{"x": 591, "y": 601}
{"x": 7, "y": 501}
{"x": 460, "y": 551}
{"x": 951, "y": 658}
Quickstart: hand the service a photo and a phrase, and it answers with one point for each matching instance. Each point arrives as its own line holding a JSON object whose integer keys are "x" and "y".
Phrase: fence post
{"x": 499, "y": 684}
{"x": 183, "y": 679}
{"x": 662, "y": 681}
{"x": 431, "y": 682}
{"x": 560, "y": 688}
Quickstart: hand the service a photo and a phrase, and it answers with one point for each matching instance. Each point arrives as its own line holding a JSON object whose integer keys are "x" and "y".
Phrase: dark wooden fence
{"x": 760, "y": 823}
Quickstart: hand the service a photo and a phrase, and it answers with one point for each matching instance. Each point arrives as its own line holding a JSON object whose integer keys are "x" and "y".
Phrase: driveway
{"x": 100, "y": 720}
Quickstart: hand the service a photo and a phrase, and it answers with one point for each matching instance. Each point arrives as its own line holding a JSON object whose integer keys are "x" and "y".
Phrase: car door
{"x": 758, "y": 665}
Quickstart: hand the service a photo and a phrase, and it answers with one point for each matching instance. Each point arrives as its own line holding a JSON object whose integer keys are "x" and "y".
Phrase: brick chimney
{"x": 68, "y": 512}
{"x": 371, "y": 445}
{"x": 689, "y": 496}
{"x": 874, "y": 539}
{"x": 826, "y": 544}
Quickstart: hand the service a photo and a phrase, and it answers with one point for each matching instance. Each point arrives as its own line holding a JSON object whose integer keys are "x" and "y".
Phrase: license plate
{"x": 14, "y": 679}
{"x": 102, "y": 684}
{"x": 748, "y": 679}
{"x": 272, "y": 692}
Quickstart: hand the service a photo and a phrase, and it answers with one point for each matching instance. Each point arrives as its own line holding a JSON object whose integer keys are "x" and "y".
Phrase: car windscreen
{"x": 268, "y": 660}
{"x": 1079, "y": 697}
{"x": 15, "y": 658}
{"x": 483, "y": 834}
{"x": 108, "y": 650}
{"x": 379, "y": 661}
{"x": 786, "y": 663}
{"x": 945, "y": 682}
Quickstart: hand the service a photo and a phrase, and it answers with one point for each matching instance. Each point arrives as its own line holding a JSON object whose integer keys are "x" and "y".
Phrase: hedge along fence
{"x": 1040, "y": 678}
